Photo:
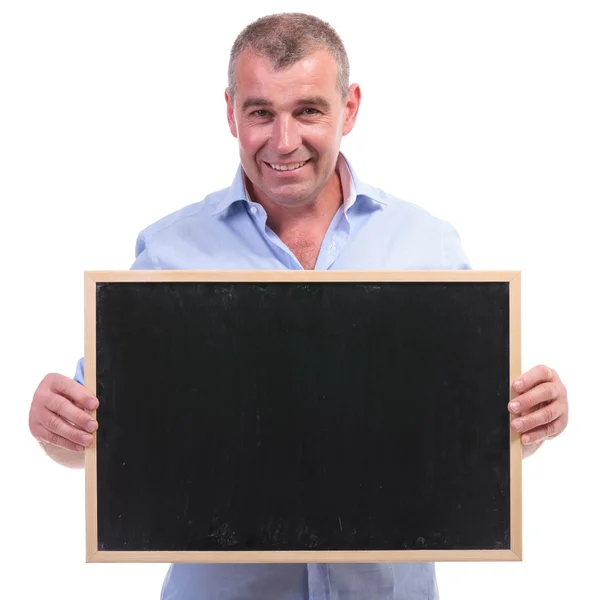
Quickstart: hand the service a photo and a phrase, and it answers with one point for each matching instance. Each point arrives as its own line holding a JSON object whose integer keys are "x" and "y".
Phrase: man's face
{"x": 290, "y": 124}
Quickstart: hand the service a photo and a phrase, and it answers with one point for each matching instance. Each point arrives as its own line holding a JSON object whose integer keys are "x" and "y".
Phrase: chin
{"x": 298, "y": 198}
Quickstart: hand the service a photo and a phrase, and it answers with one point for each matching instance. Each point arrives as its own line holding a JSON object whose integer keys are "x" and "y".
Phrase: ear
{"x": 351, "y": 108}
{"x": 230, "y": 115}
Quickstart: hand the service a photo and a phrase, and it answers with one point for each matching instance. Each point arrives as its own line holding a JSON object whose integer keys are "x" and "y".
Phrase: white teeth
{"x": 287, "y": 167}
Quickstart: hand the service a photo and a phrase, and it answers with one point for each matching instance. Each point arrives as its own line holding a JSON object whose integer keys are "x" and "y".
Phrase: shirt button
{"x": 254, "y": 210}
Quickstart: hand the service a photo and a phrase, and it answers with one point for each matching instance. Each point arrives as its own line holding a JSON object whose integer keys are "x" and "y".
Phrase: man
{"x": 295, "y": 203}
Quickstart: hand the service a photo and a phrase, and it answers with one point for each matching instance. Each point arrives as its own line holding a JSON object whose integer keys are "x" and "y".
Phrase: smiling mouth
{"x": 290, "y": 167}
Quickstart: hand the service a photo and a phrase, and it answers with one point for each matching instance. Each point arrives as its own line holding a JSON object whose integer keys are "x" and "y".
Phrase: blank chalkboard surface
{"x": 297, "y": 416}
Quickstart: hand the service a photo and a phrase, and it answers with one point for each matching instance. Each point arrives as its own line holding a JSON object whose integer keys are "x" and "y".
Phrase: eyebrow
{"x": 310, "y": 101}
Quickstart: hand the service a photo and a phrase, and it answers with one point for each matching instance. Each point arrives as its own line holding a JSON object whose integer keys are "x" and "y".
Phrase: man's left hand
{"x": 541, "y": 408}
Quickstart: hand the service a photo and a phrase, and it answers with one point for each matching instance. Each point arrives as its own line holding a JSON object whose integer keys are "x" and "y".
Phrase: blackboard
{"x": 303, "y": 416}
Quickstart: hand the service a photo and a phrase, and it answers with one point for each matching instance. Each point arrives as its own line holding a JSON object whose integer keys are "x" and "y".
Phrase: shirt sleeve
{"x": 79, "y": 375}
{"x": 455, "y": 257}
{"x": 143, "y": 260}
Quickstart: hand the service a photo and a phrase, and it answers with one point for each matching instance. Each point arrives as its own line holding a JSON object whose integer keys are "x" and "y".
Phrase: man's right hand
{"x": 58, "y": 414}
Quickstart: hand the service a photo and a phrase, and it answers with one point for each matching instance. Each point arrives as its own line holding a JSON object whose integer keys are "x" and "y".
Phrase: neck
{"x": 314, "y": 215}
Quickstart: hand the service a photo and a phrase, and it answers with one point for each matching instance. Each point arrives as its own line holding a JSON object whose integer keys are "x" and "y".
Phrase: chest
{"x": 370, "y": 242}
{"x": 305, "y": 247}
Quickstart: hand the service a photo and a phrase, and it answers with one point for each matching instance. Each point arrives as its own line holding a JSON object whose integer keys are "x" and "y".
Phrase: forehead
{"x": 311, "y": 75}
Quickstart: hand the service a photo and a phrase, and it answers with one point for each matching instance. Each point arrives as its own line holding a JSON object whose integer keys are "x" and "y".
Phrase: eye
{"x": 260, "y": 113}
{"x": 310, "y": 111}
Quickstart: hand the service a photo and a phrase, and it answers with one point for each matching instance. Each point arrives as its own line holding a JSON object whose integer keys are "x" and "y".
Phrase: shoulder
{"x": 165, "y": 241}
{"x": 411, "y": 212}
{"x": 415, "y": 231}
{"x": 406, "y": 215}
{"x": 197, "y": 213}
{"x": 427, "y": 228}
{"x": 402, "y": 213}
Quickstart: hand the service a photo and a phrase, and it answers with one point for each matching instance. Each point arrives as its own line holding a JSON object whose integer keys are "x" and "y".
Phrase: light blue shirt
{"x": 371, "y": 231}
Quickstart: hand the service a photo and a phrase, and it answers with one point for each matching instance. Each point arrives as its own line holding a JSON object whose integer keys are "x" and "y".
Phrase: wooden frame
{"x": 513, "y": 278}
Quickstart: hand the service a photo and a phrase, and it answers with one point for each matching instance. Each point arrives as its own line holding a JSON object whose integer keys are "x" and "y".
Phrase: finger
{"x": 55, "y": 425}
{"x": 543, "y": 392}
{"x": 56, "y": 440}
{"x": 48, "y": 437}
{"x": 533, "y": 377}
{"x": 69, "y": 388}
{"x": 70, "y": 413}
{"x": 545, "y": 432}
{"x": 545, "y": 416}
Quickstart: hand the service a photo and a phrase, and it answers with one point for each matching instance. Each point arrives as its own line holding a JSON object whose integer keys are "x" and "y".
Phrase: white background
{"x": 112, "y": 115}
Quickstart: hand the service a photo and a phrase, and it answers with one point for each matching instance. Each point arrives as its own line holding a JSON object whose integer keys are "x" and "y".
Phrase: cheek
{"x": 251, "y": 140}
{"x": 325, "y": 140}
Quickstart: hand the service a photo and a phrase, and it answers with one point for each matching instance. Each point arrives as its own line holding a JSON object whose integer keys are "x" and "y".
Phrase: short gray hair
{"x": 286, "y": 38}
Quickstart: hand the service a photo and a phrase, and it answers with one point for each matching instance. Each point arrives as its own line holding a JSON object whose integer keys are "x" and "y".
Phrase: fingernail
{"x": 519, "y": 384}
{"x": 518, "y": 424}
{"x": 526, "y": 439}
{"x": 515, "y": 406}
{"x": 92, "y": 403}
{"x": 87, "y": 439}
{"x": 91, "y": 426}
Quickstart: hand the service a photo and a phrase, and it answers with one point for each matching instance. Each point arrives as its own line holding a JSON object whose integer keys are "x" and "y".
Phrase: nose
{"x": 286, "y": 136}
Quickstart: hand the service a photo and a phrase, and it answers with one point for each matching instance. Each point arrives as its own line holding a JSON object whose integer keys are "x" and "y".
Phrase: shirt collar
{"x": 352, "y": 188}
